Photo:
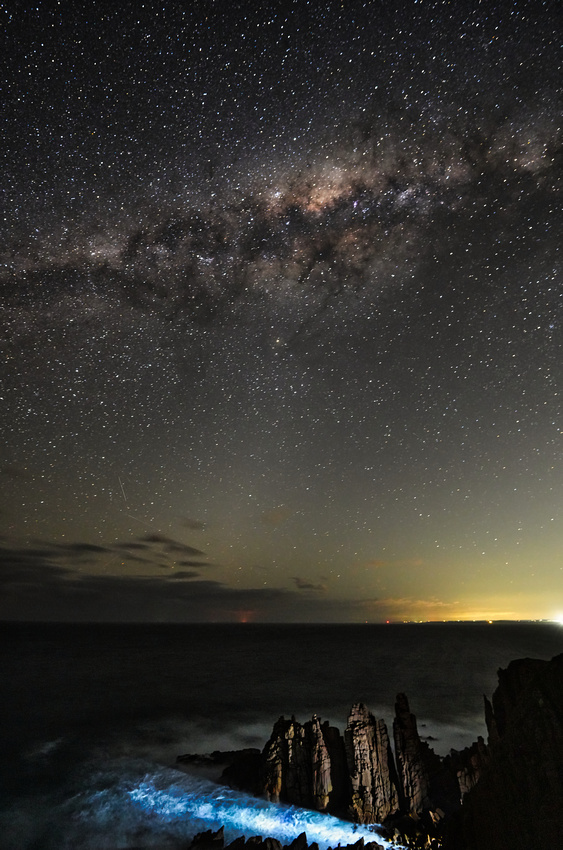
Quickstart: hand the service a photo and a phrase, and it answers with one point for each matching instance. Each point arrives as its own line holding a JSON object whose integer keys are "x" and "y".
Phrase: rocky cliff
{"x": 503, "y": 795}
{"x": 516, "y": 800}
{"x": 373, "y": 784}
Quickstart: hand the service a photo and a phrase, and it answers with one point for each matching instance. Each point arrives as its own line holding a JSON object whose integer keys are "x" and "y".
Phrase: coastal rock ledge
{"x": 210, "y": 840}
{"x": 506, "y": 794}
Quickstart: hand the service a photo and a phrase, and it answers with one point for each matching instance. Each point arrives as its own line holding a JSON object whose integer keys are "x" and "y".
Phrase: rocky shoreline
{"x": 210, "y": 840}
{"x": 506, "y": 794}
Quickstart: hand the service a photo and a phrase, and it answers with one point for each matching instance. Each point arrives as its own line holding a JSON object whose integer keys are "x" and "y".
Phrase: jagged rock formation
{"x": 410, "y": 763}
{"x": 517, "y": 800}
{"x": 304, "y": 765}
{"x": 371, "y": 767}
{"x": 504, "y": 795}
{"x": 312, "y": 765}
{"x": 469, "y": 764}
{"x": 210, "y": 840}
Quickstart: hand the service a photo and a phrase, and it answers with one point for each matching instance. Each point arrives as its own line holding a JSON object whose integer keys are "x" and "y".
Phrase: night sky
{"x": 282, "y": 308}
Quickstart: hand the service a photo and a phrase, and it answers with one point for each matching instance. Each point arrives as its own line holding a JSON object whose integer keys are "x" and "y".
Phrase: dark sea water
{"x": 92, "y": 717}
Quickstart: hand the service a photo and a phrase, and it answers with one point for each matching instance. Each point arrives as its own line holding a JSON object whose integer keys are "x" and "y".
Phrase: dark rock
{"x": 238, "y": 844}
{"x": 271, "y": 844}
{"x": 418, "y": 833}
{"x": 517, "y": 802}
{"x": 245, "y": 770}
{"x": 411, "y": 767}
{"x": 444, "y": 792}
{"x": 468, "y": 765}
{"x": 209, "y": 840}
{"x": 371, "y": 767}
{"x": 299, "y": 843}
{"x": 363, "y": 845}
{"x": 358, "y": 845}
{"x": 217, "y": 757}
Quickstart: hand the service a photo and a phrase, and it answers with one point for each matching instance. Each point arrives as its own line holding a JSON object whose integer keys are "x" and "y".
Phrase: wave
{"x": 132, "y": 803}
{"x": 242, "y": 814}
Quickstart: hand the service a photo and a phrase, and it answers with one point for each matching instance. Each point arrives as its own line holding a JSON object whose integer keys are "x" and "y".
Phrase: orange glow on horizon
{"x": 246, "y": 616}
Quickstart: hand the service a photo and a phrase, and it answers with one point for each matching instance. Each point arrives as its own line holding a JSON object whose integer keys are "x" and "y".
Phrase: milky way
{"x": 282, "y": 285}
{"x": 361, "y": 219}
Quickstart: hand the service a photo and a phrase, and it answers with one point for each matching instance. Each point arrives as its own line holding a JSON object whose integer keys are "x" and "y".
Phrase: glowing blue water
{"x": 244, "y": 815}
{"x": 133, "y": 803}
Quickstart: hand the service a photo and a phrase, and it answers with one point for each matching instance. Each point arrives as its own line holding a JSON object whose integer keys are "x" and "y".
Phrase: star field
{"x": 281, "y": 311}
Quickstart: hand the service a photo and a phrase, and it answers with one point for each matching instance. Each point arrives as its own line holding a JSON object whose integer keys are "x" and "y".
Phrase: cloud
{"x": 170, "y": 545}
{"x": 82, "y": 548}
{"x": 184, "y": 574}
{"x": 155, "y": 550}
{"x": 189, "y": 563}
{"x": 30, "y": 567}
{"x": 305, "y": 585}
{"x": 39, "y": 582}
{"x": 50, "y": 552}
{"x": 128, "y": 557}
{"x": 155, "y": 538}
{"x": 34, "y": 587}
{"x": 64, "y": 550}
{"x": 16, "y": 555}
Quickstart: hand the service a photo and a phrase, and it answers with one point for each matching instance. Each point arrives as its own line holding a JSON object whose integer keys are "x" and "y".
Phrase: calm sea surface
{"x": 93, "y": 716}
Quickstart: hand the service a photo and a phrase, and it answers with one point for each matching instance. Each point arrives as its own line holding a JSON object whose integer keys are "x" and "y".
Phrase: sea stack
{"x": 304, "y": 765}
{"x": 413, "y": 775}
{"x": 371, "y": 767}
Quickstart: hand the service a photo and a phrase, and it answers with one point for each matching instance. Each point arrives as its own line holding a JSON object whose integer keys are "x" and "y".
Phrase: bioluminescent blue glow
{"x": 139, "y": 803}
{"x": 242, "y": 814}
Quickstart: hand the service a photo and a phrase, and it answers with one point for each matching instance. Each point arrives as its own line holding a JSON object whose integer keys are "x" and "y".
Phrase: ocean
{"x": 93, "y": 716}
